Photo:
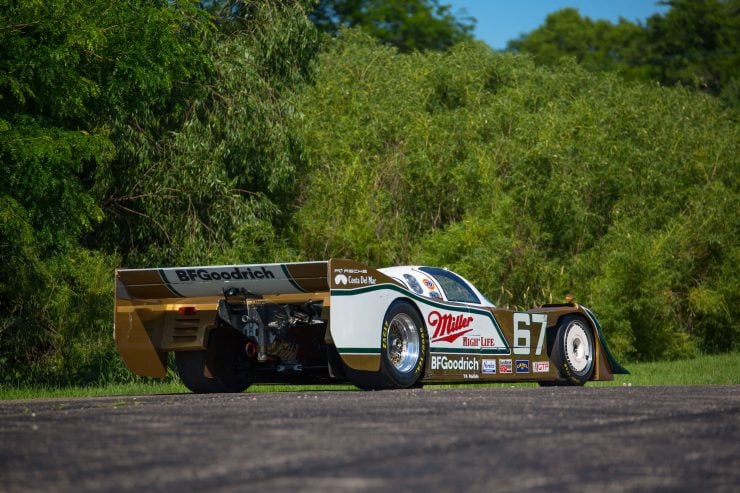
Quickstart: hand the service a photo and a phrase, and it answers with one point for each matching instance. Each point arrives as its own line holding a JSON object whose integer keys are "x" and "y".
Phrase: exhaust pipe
{"x": 251, "y": 349}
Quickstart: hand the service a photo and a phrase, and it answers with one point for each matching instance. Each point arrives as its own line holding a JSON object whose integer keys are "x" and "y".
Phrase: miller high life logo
{"x": 447, "y": 327}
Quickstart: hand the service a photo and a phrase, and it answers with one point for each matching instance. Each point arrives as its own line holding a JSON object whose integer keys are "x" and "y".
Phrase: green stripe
{"x": 444, "y": 306}
{"x": 290, "y": 279}
{"x": 358, "y": 350}
{"x": 468, "y": 351}
{"x": 453, "y": 350}
{"x": 169, "y": 286}
{"x": 496, "y": 351}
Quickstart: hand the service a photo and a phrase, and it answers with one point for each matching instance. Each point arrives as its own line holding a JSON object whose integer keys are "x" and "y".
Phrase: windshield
{"x": 455, "y": 288}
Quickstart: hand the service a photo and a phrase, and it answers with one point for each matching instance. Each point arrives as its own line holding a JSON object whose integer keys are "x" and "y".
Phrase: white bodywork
{"x": 453, "y": 328}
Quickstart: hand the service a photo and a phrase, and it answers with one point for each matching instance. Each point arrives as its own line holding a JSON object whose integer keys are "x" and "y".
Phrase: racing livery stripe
{"x": 484, "y": 352}
{"x": 443, "y": 306}
{"x": 167, "y": 283}
{"x": 310, "y": 277}
{"x": 144, "y": 284}
{"x": 358, "y": 350}
{"x": 290, "y": 278}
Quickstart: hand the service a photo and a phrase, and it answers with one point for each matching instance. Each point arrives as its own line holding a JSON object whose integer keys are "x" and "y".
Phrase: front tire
{"x": 574, "y": 351}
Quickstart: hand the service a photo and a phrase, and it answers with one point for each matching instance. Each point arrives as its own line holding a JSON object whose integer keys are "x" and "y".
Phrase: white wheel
{"x": 578, "y": 348}
{"x": 574, "y": 351}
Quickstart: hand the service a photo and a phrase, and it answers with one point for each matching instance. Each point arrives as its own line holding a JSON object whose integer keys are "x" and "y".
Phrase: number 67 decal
{"x": 522, "y": 322}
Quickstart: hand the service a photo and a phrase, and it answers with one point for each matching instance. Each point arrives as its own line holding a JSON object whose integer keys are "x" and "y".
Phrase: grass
{"x": 704, "y": 370}
{"x": 723, "y": 369}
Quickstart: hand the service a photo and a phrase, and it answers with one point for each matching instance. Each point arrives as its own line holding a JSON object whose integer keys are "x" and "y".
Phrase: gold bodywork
{"x": 148, "y": 322}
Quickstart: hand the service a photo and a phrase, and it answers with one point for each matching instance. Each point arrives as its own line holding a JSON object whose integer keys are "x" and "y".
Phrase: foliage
{"x": 76, "y": 79}
{"x": 217, "y": 189}
{"x": 695, "y": 44}
{"x": 168, "y": 133}
{"x": 530, "y": 182}
{"x": 408, "y": 25}
{"x": 596, "y": 45}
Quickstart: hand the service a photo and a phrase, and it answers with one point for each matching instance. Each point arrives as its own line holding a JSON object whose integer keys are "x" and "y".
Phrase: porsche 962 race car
{"x": 338, "y": 320}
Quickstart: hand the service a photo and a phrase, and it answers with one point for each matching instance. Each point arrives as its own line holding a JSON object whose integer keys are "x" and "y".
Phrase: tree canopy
{"x": 409, "y": 25}
{"x": 696, "y": 43}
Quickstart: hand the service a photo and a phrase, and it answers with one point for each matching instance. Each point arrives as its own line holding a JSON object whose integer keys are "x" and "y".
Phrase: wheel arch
{"x": 605, "y": 365}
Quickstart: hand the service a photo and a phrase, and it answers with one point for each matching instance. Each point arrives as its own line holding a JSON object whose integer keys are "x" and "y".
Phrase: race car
{"x": 230, "y": 326}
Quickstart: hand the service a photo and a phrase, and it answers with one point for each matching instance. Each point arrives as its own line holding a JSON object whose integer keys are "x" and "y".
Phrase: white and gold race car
{"x": 338, "y": 320}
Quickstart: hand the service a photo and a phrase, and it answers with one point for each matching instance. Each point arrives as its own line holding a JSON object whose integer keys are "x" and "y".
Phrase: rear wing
{"x": 170, "y": 309}
{"x": 193, "y": 282}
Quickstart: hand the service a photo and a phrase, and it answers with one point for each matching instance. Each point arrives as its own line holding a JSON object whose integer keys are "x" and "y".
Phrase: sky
{"x": 499, "y": 21}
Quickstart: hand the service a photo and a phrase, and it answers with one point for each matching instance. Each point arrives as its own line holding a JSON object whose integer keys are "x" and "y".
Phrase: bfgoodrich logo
{"x": 461, "y": 363}
{"x": 236, "y": 273}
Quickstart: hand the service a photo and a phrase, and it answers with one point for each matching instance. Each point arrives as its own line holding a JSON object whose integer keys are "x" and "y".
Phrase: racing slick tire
{"x": 222, "y": 368}
{"x": 574, "y": 352}
{"x": 403, "y": 351}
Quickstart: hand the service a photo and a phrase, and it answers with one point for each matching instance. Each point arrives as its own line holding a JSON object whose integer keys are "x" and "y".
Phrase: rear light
{"x": 187, "y": 310}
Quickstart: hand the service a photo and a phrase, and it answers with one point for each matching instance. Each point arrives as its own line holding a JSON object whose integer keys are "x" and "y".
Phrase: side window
{"x": 454, "y": 287}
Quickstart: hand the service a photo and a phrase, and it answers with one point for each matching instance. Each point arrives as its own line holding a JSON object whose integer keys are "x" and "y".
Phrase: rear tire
{"x": 403, "y": 345}
{"x": 225, "y": 360}
{"x": 574, "y": 352}
{"x": 403, "y": 351}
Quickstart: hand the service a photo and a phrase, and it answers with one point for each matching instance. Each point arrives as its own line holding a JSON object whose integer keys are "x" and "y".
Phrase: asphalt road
{"x": 472, "y": 439}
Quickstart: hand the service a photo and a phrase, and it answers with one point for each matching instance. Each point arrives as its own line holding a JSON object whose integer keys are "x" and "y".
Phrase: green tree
{"x": 408, "y": 25}
{"x": 696, "y": 43}
{"x": 222, "y": 186}
{"x": 597, "y": 45}
{"x": 76, "y": 80}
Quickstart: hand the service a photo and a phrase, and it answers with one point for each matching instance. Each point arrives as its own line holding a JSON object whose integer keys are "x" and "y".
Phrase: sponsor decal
{"x": 489, "y": 366}
{"x": 429, "y": 284}
{"x": 504, "y": 366}
{"x": 345, "y": 277}
{"x": 541, "y": 367}
{"x": 522, "y": 366}
{"x": 236, "y": 273}
{"x": 455, "y": 363}
{"x": 447, "y": 327}
{"x": 343, "y": 270}
{"x": 479, "y": 342}
{"x": 471, "y": 341}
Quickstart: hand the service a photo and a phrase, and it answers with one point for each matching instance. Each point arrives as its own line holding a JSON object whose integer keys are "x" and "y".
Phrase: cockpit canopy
{"x": 438, "y": 283}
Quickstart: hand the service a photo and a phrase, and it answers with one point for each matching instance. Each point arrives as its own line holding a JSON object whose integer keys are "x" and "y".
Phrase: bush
{"x": 531, "y": 182}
